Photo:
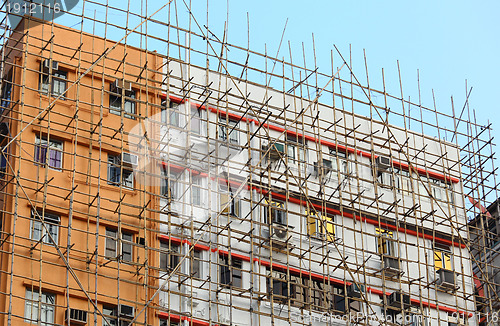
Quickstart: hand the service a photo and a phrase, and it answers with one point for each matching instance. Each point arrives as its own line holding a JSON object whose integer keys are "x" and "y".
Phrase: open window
{"x": 52, "y": 79}
{"x": 228, "y": 130}
{"x": 51, "y": 229}
{"x": 169, "y": 183}
{"x": 275, "y": 212}
{"x": 338, "y": 160}
{"x": 230, "y": 204}
{"x": 321, "y": 225}
{"x": 386, "y": 244}
{"x": 170, "y": 255}
{"x": 122, "y": 98}
{"x": 121, "y": 169}
{"x": 230, "y": 271}
{"x": 49, "y": 151}
{"x": 442, "y": 259}
{"x": 170, "y": 114}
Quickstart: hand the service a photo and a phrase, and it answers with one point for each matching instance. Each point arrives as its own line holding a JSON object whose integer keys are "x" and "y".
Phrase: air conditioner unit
{"x": 398, "y": 300}
{"x": 280, "y": 232}
{"x": 119, "y": 85}
{"x": 354, "y": 291}
{"x": 276, "y": 150}
{"x": 383, "y": 162}
{"x": 126, "y": 311}
{"x": 325, "y": 167}
{"x": 446, "y": 280}
{"x": 129, "y": 159}
{"x": 391, "y": 266}
{"x": 76, "y": 316}
{"x": 46, "y": 65}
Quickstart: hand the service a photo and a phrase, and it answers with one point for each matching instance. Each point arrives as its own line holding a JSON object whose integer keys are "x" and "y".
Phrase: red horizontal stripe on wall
{"x": 236, "y": 117}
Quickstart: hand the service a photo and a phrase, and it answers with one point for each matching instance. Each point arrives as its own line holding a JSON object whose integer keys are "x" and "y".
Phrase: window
{"x": 170, "y": 254}
{"x": 168, "y": 323}
{"x": 40, "y": 233}
{"x": 3, "y": 161}
{"x": 227, "y": 196}
{"x": 120, "y": 169}
{"x": 384, "y": 177}
{"x": 277, "y": 211}
{"x": 197, "y": 121}
{"x": 54, "y": 83}
{"x": 386, "y": 245}
{"x": 304, "y": 292}
{"x": 110, "y": 315}
{"x": 39, "y": 307}
{"x": 230, "y": 274}
{"x": 279, "y": 287}
{"x": 196, "y": 263}
{"x": 170, "y": 185}
{"x": 295, "y": 150}
{"x": 196, "y": 190}
{"x": 6, "y": 92}
{"x": 442, "y": 259}
{"x": 228, "y": 130}
{"x": 122, "y": 98}
{"x": 171, "y": 115}
{"x": 441, "y": 190}
{"x": 113, "y": 245}
{"x": 403, "y": 180}
{"x": 321, "y": 226}
{"x": 49, "y": 152}
{"x": 339, "y": 161}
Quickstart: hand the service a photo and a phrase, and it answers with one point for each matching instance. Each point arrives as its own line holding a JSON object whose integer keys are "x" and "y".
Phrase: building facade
{"x": 140, "y": 189}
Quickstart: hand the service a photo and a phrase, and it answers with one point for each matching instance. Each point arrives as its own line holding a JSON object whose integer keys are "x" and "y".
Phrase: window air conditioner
{"x": 446, "y": 280}
{"x": 383, "y": 162}
{"x": 391, "y": 266}
{"x": 119, "y": 85}
{"x": 76, "y": 316}
{"x": 129, "y": 159}
{"x": 46, "y": 65}
{"x": 354, "y": 291}
{"x": 398, "y": 300}
{"x": 126, "y": 311}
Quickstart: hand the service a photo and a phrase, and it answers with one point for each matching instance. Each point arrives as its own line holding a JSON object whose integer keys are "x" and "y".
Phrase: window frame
{"x": 170, "y": 255}
{"x": 197, "y": 189}
{"x": 197, "y": 263}
{"x": 119, "y": 242}
{"x": 51, "y": 220}
{"x": 170, "y": 183}
{"x": 339, "y": 158}
{"x": 229, "y": 130}
{"x": 39, "y": 305}
{"x": 197, "y": 120}
{"x": 386, "y": 240}
{"x": 442, "y": 254}
{"x": 170, "y": 114}
{"x": 316, "y": 227}
{"x": 230, "y": 274}
{"x": 278, "y": 211}
{"x": 44, "y": 146}
{"x": 226, "y": 195}
{"x": 117, "y": 168}
{"x": 125, "y": 101}
{"x": 48, "y": 81}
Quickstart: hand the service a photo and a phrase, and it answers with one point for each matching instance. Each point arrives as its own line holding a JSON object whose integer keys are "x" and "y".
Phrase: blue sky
{"x": 448, "y": 41}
